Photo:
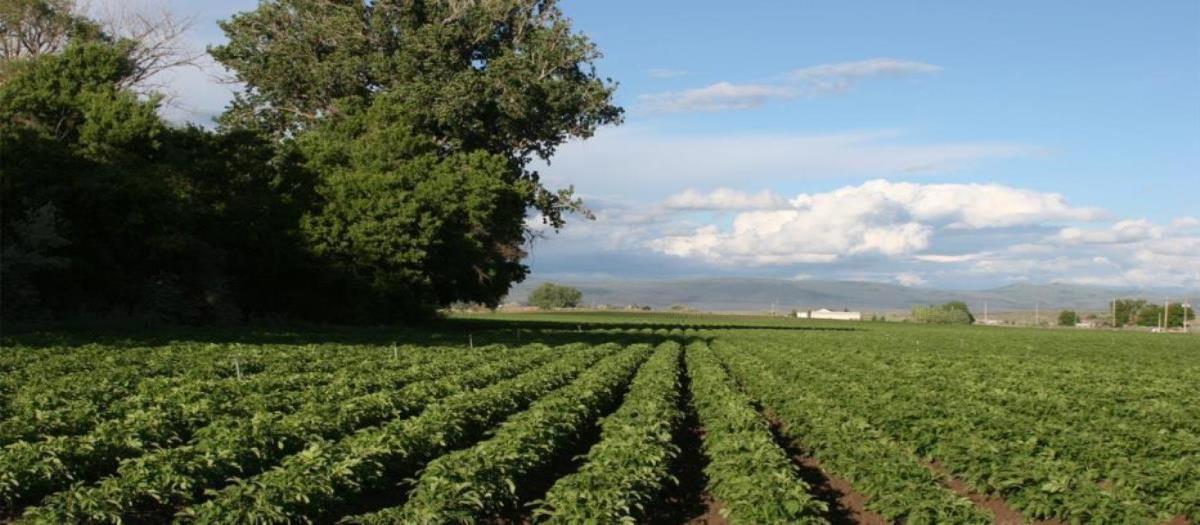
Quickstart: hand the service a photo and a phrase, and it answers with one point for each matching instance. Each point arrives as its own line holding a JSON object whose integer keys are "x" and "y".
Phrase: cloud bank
{"x": 904, "y": 232}
{"x": 877, "y": 217}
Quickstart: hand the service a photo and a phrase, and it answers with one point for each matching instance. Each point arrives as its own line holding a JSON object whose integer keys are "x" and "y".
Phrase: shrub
{"x": 550, "y": 295}
{"x": 954, "y": 312}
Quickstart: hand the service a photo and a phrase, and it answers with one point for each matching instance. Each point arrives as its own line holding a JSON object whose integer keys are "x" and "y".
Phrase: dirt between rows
{"x": 688, "y": 501}
{"x": 1004, "y": 514}
{"x": 844, "y": 505}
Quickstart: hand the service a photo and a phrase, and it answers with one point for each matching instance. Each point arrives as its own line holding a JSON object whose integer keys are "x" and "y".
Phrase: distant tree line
{"x": 375, "y": 167}
{"x": 1140, "y": 312}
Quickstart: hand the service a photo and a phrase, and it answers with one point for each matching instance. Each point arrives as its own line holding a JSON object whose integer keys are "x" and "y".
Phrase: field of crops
{"x": 603, "y": 418}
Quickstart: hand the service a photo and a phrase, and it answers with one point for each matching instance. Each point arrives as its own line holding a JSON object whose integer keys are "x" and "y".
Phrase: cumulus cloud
{"x": 970, "y": 205}
{"x": 910, "y": 279}
{"x": 725, "y": 199}
{"x": 1185, "y": 223}
{"x": 803, "y": 82}
{"x": 1122, "y": 232}
{"x": 879, "y": 218}
{"x": 1128, "y": 253}
{"x": 946, "y": 259}
{"x": 873, "y": 232}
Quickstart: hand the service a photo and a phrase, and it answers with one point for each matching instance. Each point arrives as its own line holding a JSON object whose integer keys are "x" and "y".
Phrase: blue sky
{"x": 956, "y": 144}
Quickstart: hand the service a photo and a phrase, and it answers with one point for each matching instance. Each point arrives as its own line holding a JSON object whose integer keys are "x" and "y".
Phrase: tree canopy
{"x": 953, "y": 312}
{"x": 550, "y": 295}
{"x": 1068, "y": 318}
{"x": 375, "y": 167}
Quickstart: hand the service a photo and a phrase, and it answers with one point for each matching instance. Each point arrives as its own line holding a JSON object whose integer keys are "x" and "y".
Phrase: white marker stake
{"x": 471, "y": 341}
{"x": 395, "y": 352}
{"x": 238, "y": 368}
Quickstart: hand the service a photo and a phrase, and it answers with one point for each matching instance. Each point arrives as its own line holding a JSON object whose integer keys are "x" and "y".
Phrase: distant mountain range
{"x": 742, "y": 294}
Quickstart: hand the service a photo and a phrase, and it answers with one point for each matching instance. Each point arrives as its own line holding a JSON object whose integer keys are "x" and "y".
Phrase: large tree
{"x": 421, "y": 119}
{"x": 105, "y": 209}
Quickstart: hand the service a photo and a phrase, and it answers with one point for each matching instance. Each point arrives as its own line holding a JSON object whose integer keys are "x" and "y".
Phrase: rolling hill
{"x": 743, "y": 294}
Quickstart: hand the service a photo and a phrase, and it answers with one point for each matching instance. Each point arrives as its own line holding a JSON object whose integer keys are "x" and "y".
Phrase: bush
{"x": 1068, "y": 318}
{"x": 954, "y": 312}
{"x": 550, "y": 295}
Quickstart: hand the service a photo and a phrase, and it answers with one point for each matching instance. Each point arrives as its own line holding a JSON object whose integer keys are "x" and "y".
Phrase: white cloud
{"x": 879, "y": 218}
{"x": 1185, "y": 223}
{"x": 973, "y": 205}
{"x": 910, "y": 279}
{"x": 945, "y": 259}
{"x": 1123, "y": 232}
{"x": 840, "y": 77}
{"x": 1128, "y": 253}
{"x": 804, "y": 82}
{"x": 721, "y": 96}
{"x": 661, "y": 73}
{"x": 725, "y": 199}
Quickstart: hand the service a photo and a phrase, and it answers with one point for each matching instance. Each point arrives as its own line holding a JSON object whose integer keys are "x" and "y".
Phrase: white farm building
{"x": 830, "y": 314}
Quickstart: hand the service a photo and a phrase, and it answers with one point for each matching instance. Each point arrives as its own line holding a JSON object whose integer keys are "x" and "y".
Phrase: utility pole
{"x": 985, "y": 317}
{"x": 1166, "y": 314}
{"x": 1187, "y": 304}
{"x": 1114, "y": 312}
{"x": 1037, "y": 315}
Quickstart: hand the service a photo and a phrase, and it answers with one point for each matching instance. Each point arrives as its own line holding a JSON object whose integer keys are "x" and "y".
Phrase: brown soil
{"x": 687, "y": 501}
{"x": 712, "y": 513}
{"x": 845, "y": 505}
{"x": 1004, "y": 515}
{"x": 1178, "y": 520}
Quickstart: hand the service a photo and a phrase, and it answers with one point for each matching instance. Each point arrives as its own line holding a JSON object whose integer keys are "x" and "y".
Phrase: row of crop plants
{"x": 155, "y": 478}
{"x": 1026, "y": 431}
{"x": 72, "y": 391}
{"x": 469, "y": 436}
{"x": 171, "y": 416}
{"x": 331, "y": 479}
{"x": 625, "y": 473}
{"x": 846, "y": 445}
{"x": 486, "y": 480}
{"x": 462, "y": 436}
{"x": 1017, "y": 425}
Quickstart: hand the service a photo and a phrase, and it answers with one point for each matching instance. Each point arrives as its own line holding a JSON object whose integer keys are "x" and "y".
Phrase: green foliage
{"x": 321, "y": 482}
{"x": 549, "y": 296}
{"x": 954, "y": 312}
{"x": 846, "y": 444}
{"x": 108, "y": 211}
{"x": 294, "y": 432}
{"x": 420, "y": 118}
{"x": 1140, "y": 312}
{"x": 752, "y": 477}
{"x": 1068, "y": 318}
{"x": 247, "y": 445}
{"x": 374, "y": 169}
{"x": 625, "y": 473}
{"x": 470, "y": 485}
{"x": 509, "y": 77}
